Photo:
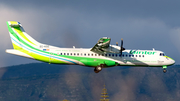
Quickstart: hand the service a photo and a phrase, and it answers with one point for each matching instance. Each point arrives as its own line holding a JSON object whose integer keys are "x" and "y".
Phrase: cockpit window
{"x": 162, "y": 54}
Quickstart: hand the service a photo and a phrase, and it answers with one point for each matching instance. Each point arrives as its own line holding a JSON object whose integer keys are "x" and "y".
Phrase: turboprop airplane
{"x": 102, "y": 55}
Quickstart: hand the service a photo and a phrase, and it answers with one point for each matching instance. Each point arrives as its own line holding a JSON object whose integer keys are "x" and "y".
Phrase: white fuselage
{"x": 129, "y": 57}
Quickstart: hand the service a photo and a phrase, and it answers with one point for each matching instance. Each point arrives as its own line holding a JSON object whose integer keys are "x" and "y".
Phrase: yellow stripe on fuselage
{"x": 18, "y": 30}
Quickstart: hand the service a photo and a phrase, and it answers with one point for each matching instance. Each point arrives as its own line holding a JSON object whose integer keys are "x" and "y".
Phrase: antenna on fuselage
{"x": 116, "y": 43}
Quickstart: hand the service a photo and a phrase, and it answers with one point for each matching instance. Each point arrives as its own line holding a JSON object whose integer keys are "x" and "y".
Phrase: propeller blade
{"x": 116, "y": 43}
{"x": 121, "y": 46}
{"x": 121, "y": 42}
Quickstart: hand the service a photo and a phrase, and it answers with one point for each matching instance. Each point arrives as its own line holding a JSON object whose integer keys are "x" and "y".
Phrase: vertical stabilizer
{"x": 19, "y": 37}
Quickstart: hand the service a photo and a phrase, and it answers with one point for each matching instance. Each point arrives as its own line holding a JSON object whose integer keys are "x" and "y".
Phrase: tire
{"x": 164, "y": 70}
{"x": 96, "y": 70}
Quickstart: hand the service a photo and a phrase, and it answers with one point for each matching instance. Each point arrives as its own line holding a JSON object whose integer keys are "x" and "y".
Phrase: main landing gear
{"x": 164, "y": 69}
{"x": 98, "y": 68}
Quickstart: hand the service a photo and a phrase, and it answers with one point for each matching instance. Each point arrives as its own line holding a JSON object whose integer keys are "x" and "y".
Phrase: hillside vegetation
{"x": 49, "y": 82}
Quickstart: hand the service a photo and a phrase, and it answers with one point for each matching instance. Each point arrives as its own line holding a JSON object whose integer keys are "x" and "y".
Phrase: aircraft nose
{"x": 173, "y": 61}
{"x": 170, "y": 60}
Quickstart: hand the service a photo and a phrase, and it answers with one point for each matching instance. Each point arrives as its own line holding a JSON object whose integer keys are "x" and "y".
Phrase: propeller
{"x": 121, "y": 46}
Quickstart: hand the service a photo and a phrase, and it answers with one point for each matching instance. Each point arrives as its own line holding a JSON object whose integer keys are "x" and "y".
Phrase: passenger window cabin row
{"x": 107, "y": 55}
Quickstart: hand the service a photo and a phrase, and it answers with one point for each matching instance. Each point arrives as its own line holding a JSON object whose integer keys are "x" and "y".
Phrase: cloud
{"x": 175, "y": 37}
{"x": 142, "y": 25}
{"x": 81, "y": 25}
{"x": 10, "y": 14}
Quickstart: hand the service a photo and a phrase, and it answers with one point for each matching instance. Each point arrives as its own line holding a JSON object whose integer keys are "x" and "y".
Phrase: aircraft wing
{"x": 101, "y": 45}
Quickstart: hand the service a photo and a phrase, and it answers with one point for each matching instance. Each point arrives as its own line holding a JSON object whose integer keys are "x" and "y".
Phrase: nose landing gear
{"x": 164, "y": 69}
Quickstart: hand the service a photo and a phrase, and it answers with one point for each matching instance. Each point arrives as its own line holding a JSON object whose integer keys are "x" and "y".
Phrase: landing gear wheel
{"x": 164, "y": 70}
{"x": 97, "y": 69}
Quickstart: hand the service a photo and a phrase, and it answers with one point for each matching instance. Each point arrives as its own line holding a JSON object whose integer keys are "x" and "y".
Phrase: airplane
{"x": 102, "y": 55}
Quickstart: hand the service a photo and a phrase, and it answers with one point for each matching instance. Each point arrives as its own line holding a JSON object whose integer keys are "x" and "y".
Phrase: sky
{"x": 143, "y": 24}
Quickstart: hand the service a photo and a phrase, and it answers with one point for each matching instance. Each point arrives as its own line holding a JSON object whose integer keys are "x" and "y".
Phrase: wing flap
{"x": 17, "y": 52}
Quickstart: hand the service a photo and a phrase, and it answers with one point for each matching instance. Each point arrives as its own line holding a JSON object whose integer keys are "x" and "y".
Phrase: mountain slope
{"x": 48, "y": 82}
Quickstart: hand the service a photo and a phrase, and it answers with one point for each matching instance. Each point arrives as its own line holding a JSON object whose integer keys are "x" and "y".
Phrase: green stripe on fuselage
{"x": 41, "y": 57}
{"x": 18, "y": 30}
{"x": 65, "y": 56}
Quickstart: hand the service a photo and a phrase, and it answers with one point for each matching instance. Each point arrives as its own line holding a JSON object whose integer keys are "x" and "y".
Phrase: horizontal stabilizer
{"x": 17, "y": 52}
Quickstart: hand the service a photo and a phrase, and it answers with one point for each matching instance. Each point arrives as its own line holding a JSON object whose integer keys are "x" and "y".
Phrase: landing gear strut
{"x": 164, "y": 70}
